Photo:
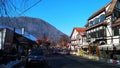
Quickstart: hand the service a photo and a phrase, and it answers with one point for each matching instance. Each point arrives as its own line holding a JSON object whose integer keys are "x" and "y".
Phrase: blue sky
{"x": 66, "y": 14}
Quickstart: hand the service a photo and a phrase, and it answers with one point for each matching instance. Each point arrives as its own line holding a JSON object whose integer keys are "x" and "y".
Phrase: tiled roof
{"x": 80, "y": 29}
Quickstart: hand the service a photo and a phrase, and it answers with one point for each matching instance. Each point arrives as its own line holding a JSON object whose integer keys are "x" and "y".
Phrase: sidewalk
{"x": 79, "y": 58}
{"x": 95, "y": 58}
{"x": 92, "y": 57}
{"x": 10, "y": 64}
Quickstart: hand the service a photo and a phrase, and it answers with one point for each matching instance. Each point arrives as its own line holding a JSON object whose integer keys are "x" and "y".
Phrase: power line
{"x": 29, "y": 8}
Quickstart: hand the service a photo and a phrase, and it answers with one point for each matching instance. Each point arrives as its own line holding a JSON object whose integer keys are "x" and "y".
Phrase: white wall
{"x": 74, "y": 35}
{"x": 109, "y": 30}
{"x": 77, "y": 41}
{"x": 116, "y": 39}
{"x": 2, "y": 38}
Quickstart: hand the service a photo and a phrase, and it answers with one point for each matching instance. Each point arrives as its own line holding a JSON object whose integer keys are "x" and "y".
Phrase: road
{"x": 60, "y": 61}
{"x": 68, "y": 61}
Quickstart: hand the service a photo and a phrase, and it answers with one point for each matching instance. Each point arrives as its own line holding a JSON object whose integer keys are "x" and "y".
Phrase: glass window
{"x": 102, "y": 33}
{"x": 118, "y": 5}
{"x": 117, "y": 13}
{"x": 96, "y": 21}
{"x": 102, "y": 18}
{"x": 116, "y": 31}
{"x": 88, "y": 35}
{"x": 91, "y": 23}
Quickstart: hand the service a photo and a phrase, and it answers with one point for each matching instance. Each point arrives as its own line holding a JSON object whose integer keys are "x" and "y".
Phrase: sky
{"x": 66, "y": 14}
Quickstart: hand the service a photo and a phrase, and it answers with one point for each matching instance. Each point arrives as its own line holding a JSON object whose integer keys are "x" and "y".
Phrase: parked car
{"x": 35, "y": 59}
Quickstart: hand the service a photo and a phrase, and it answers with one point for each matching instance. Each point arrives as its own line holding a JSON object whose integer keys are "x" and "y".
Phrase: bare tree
{"x": 63, "y": 40}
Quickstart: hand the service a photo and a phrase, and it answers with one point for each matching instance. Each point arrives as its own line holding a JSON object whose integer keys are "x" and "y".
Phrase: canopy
{"x": 109, "y": 47}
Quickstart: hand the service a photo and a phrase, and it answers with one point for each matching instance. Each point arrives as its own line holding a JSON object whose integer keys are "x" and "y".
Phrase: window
{"x": 92, "y": 35}
{"x": 101, "y": 33}
{"x": 96, "y": 21}
{"x": 118, "y": 5}
{"x": 117, "y": 13}
{"x": 91, "y": 23}
{"x": 88, "y": 35}
{"x": 102, "y": 18}
{"x": 116, "y": 31}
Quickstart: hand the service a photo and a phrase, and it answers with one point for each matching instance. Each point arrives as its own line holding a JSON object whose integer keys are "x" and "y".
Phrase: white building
{"x": 78, "y": 38}
{"x": 103, "y": 27}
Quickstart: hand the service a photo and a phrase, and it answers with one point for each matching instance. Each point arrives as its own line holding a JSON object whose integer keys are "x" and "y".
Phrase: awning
{"x": 85, "y": 43}
{"x": 85, "y": 46}
{"x": 91, "y": 42}
{"x": 109, "y": 47}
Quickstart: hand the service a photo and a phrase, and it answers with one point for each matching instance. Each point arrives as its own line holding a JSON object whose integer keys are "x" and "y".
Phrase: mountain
{"x": 34, "y": 26}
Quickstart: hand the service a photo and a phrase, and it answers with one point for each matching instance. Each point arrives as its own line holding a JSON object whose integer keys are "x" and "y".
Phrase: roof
{"x": 79, "y": 30}
{"x": 111, "y": 8}
{"x": 96, "y": 13}
{"x": 117, "y": 22}
{"x": 19, "y": 31}
{"x": 112, "y": 5}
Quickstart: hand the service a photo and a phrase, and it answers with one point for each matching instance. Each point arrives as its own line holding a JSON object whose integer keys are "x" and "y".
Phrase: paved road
{"x": 68, "y": 61}
{"x": 60, "y": 61}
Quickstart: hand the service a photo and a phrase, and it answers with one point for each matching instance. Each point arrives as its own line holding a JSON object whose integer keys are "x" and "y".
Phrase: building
{"x": 6, "y": 37}
{"x": 78, "y": 39}
{"x": 11, "y": 38}
{"x": 103, "y": 29}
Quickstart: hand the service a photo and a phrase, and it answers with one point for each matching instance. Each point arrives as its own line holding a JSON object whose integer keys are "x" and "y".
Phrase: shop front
{"x": 110, "y": 52}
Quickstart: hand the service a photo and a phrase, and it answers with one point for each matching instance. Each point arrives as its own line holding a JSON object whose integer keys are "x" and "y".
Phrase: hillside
{"x": 33, "y": 26}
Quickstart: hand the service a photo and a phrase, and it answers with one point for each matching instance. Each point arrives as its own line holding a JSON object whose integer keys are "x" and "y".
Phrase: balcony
{"x": 97, "y": 25}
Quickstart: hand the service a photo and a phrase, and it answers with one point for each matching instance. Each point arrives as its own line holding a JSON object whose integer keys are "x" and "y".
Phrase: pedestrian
{"x": 114, "y": 48}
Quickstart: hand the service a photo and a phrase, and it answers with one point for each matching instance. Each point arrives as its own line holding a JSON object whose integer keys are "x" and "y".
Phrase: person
{"x": 107, "y": 51}
{"x": 114, "y": 48}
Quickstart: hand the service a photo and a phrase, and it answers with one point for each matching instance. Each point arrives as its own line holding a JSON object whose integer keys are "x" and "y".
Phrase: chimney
{"x": 23, "y": 31}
